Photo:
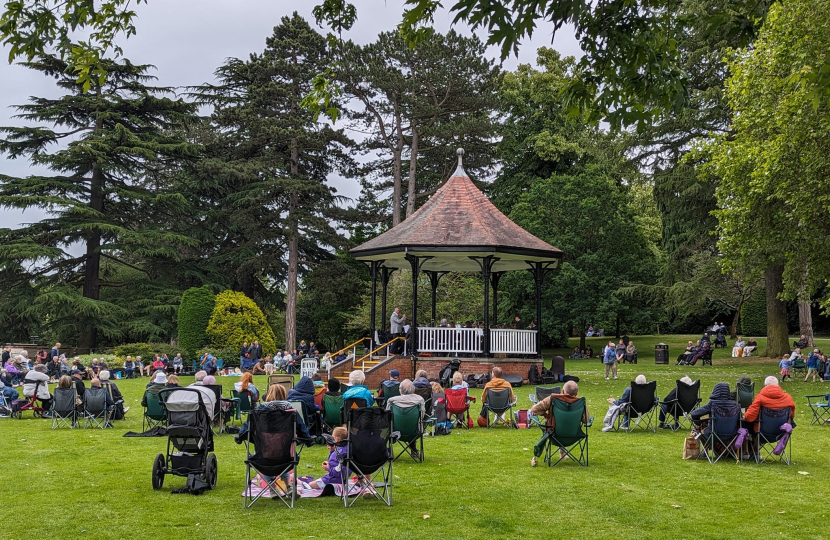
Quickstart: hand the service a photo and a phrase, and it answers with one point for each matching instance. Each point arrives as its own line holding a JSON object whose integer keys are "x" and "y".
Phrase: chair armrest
{"x": 306, "y": 441}
{"x": 395, "y": 436}
{"x": 590, "y": 422}
{"x": 532, "y": 398}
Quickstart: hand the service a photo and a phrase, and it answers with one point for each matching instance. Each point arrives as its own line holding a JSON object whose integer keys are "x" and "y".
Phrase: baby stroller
{"x": 189, "y": 415}
{"x": 446, "y": 373}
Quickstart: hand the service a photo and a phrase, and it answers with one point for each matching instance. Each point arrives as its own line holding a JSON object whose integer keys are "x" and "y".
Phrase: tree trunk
{"x": 293, "y": 258}
{"x": 805, "y": 315}
{"x": 413, "y": 163}
{"x": 617, "y": 329}
{"x": 581, "y": 337}
{"x": 396, "y": 171}
{"x": 734, "y": 329}
{"x": 92, "y": 259}
{"x": 777, "y": 340}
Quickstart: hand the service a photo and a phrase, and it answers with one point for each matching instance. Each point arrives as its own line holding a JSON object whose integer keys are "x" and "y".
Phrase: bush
{"x": 195, "y": 310}
{"x": 754, "y": 314}
{"x": 236, "y": 318}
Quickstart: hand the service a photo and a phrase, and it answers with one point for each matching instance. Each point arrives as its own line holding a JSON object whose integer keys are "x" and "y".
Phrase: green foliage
{"x": 235, "y": 319}
{"x": 229, "y": 355}
{"x": 194, "y": 314}
{"x": 754, "y": 314}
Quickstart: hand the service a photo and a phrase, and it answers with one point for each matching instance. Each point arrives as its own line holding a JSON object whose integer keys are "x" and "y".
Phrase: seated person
{"x": 172, "y": 382}
{"x": 704, "y": 340}
{"x": 619, "y": 352}
{"x": 704, "y": 349}
{"x": 178, "y": 364}
{"x": 12, "y": 372}
{"x": 332, "y": 388}
{"x": 750, "y": 347}
{"x": 304, "y": 392}
{"x": 8, "y": 392}
{"x": 801, "y": 343}
{"x": 738, "y": 349}
{"x": 391, "y": 382}
{"x": 770, "y": 397}
{"x": 357, "y": 390}
{"x": 96, "y": 383}
{"x": 589, "y": 352}
{"x": 155, "y": 386}
{"x": 269, "y": 365}
{"x": 576, "y": 353}
{"x": 129, "y": 367}
{"x": 667, "y": 408}
{"x": 313, "y": 352}
{"x": 626, "y": 398}
{"x": 208, "y": 363}
{"x": 407, "y": 398}
{"x": 630, "y": 352}
{"x": 495, "y": 383}
{"x": 78, "y": 380}
{"x": 332, "y": 464}
{"x": 275, "y": 400}
{"x": 718, "y": 401}
{"x": 53, "y": 369}
{"x": 259, "y": 368}
{"x": 458, "y": 382}
{"x": 246, "y": 384}
{"x": 421, "y": 380}
{"x": 545, "y": 407}
{"x": 685, "y": 355}
{"x": 31, "y": 380}
{"x": 339, "y": 357}
{"x": 157, "y": 364}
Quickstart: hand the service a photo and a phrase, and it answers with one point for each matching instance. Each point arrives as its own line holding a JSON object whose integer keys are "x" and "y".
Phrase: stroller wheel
{"x": 158, "y": 471}
{"x": 211, "y": 470}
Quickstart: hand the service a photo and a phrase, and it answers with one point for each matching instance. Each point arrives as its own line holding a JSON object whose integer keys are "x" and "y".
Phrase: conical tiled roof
{"x": 459, "y": 221}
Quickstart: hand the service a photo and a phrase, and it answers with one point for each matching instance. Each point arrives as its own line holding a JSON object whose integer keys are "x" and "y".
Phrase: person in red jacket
{"x": 771, "y": 397}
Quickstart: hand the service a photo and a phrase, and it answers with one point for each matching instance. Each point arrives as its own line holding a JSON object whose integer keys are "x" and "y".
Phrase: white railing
{"x": 513, "y": 341}
{"x": 449, "y": 340}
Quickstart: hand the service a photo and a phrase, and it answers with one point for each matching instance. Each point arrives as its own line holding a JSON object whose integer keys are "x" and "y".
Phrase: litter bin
{"x": 661, "y": 354}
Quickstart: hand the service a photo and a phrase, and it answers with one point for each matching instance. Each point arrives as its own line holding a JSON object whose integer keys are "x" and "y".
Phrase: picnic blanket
{"x": 259, "y": 487}
{"x": 155, "y": 432}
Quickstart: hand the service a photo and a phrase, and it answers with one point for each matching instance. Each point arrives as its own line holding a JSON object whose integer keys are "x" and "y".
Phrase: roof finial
{"x": 459, "y": 171}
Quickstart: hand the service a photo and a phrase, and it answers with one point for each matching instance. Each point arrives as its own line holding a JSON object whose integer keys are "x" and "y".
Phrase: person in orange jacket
{"x": 771, "y": 397}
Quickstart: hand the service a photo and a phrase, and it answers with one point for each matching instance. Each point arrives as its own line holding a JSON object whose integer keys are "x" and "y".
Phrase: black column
{"x": 539, "y": 270}
{"x": 415, "y": 263}
{"x": 486, "y": 264}
{"x": 495, "y": 277}
{"x": 385, "y": 274}
{"x": 434, "y": 279}
{"x": 373, "y": 273}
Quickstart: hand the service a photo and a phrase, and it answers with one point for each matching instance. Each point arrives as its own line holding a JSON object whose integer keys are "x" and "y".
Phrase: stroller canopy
{"x": 186, "y": 399}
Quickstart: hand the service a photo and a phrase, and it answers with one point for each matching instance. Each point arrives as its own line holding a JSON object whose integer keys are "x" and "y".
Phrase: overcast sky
{"x": 188, "y": 39}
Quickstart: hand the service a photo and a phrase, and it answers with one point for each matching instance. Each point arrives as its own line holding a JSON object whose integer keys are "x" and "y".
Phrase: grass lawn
{"x": 473, "y": 484}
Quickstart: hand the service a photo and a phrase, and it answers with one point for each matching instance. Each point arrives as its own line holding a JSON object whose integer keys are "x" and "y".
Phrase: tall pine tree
{"x": 106, "y": 148}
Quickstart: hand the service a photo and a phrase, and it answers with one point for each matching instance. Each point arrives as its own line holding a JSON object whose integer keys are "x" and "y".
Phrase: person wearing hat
{"x": 392, "y": 382}
{"x": 158, "y": 384}
{"x": 78, "y": 381}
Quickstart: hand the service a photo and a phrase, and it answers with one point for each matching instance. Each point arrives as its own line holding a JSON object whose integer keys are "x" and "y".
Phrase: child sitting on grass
{"x": 785, "y": 366}
{"x": 332, "y": 465}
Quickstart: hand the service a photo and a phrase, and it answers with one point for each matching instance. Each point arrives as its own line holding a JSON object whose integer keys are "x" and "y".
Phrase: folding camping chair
{"x": 117, "y": 403}
{"x": 458, "y": 406}
{"x": 64, "y": 412}
{"x": 369, "y": 454}
{"x": 351, "y": 403}
{"x": 429, "y": 414}
{"x": 687, "y": 399}
{"x": 799, "y": 367}
{"x": 541, "y": 393}
{"x": 242, "y": 403}
{"x": 557, "y": 370}
{"x": 568, "y": 432}
{"x": 218, "y": 419}
{"x": 389, "y": 391}
{"x": 498, "y": 402}
{"x": 744, "y": 394}
{"x": 770, "y": 433}
{"x": 96, "y": 410}
{"x": 640, "y": 408}
{"x": 331, "y": 412}
{"x": 820, "y": 408}
{"x": 286, "y": 380}
{"x": 154, "y": 413}
{"x": 410, "y": 423}
{"x": 724, "y": 421}
{"x": 274, "y": 436}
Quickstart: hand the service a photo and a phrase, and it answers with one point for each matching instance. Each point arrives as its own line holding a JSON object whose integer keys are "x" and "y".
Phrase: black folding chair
{"x": 369, "y": 454}
{"x": 687, "y": 399}
{"x": 639, "y": 411}
{"x": 718, "y": 440}
{"x": 542, "y": 392}
{"x": 96, "y": 410}
{"x": 273, "y": 433}
{"x": 498, "y": 402}
{"x": 769, "y": 433}
{"x": 64, "y": 411}
{"x": 349, "y": 404}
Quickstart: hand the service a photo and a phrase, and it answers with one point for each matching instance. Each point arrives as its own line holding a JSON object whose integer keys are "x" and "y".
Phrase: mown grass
{"x": 473, "y": 484}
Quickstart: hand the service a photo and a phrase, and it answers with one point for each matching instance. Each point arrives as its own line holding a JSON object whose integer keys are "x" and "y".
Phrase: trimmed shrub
{"x": 147, "y": 350}
{"x": 229, "y": 355}
{"x": 236, "y": 318}
{"x": 754, "y": 315}
{"x": 195, "y": 310}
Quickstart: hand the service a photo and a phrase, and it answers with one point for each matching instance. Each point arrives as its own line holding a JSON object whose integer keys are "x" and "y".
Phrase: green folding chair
{"x": 154, "y": 413}
{"x": 242, "y": 403}
{"x": 409, "y": 422}
{"x": 332, "y": 405}
{"x": 745, "y": 394}
{"x": 568, "y": 433}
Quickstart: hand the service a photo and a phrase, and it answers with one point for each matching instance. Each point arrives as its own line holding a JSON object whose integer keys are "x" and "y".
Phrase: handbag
{"x": 691, "y": 448}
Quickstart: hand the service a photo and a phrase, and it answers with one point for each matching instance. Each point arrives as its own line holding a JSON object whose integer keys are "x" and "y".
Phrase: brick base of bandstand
{"x": 407, "y": 366}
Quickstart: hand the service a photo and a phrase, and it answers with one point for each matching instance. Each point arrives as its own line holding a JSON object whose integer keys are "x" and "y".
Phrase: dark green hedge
{"x": 754, "y": 315}
{"x": 195, "y": 310}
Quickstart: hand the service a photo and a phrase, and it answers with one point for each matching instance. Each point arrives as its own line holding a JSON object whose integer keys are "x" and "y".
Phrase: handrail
{"x": 350, "y": 345}
{"x": 369, "y": 355}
